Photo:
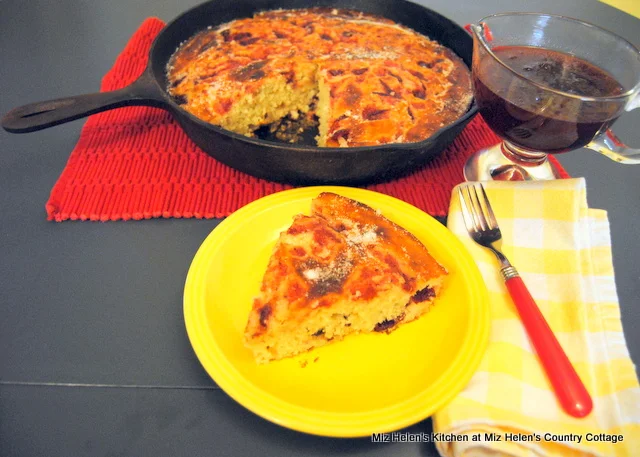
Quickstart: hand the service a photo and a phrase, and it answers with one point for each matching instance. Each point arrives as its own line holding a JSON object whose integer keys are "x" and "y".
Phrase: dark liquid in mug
{"x": 543, "y": 121}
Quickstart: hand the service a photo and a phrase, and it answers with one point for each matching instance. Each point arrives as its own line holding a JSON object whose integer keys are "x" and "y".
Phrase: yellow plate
{"x": 370, "y": 383}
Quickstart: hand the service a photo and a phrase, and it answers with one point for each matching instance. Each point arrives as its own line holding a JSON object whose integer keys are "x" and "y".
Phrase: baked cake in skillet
{"x": 364, "y": 79}
{"x": 342, "y": 270}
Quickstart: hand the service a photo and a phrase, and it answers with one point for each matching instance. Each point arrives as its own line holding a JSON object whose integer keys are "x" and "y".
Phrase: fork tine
{"x": 470, "y": 213}
{"x": 493, "y": 223}
{"x": 466, "y": 211}
{"x": 477, "y": 210}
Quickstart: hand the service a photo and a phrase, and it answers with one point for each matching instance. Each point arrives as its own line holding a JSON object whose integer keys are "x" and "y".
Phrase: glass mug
{"x": 549, "y": 84}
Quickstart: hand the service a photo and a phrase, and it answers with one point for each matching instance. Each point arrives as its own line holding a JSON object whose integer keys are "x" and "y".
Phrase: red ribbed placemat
{"x": 137, "y": 163}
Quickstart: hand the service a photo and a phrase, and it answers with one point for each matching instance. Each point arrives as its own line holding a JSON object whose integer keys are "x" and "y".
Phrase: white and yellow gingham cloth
{"x": 562, "y": 250}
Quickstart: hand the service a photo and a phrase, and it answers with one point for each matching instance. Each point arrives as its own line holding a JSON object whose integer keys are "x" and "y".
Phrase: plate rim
{"x": 339, "y": 424}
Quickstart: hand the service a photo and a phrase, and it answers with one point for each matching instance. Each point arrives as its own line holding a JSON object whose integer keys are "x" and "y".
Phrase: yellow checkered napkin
{"x": 562, "y": 250}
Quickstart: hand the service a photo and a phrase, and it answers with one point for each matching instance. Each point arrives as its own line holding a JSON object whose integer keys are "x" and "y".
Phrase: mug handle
{"x": 608, "y": 144}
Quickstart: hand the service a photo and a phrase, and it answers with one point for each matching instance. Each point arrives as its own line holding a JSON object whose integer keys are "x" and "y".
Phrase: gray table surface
{"x": 94, "y": 359}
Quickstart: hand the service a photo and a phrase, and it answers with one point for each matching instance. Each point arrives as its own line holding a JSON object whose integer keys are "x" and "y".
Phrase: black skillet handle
{"x": 42, "y": 115}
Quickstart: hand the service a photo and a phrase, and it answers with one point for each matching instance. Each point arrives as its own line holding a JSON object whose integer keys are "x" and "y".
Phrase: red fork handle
{"x": 569, "y": 389}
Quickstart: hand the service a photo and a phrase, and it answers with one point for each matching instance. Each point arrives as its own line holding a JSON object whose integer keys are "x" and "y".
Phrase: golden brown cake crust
{"x": 385, "y": 82}
{"x": 343, "y": 260}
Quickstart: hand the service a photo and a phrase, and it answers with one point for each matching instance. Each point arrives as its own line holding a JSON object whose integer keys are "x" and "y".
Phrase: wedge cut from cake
{"x": 344, "y": 269}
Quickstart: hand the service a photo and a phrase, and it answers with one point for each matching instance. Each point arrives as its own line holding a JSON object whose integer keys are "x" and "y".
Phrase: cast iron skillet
{"x": 272, "y": 160}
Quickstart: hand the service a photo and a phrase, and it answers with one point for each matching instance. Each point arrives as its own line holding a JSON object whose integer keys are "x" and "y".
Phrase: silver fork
{"x": 483, "y": 228}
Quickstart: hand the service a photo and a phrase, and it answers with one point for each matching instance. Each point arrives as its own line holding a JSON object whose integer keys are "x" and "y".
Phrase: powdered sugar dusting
{"x": 312, "y": 274}
{"x": 362, "y": 235}
{"x": 328, "y": 276}
{"x": 337, "y": 268}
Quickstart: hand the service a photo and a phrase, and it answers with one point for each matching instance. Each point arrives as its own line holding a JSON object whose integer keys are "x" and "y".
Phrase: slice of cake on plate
{"x": 344, "y": 269}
